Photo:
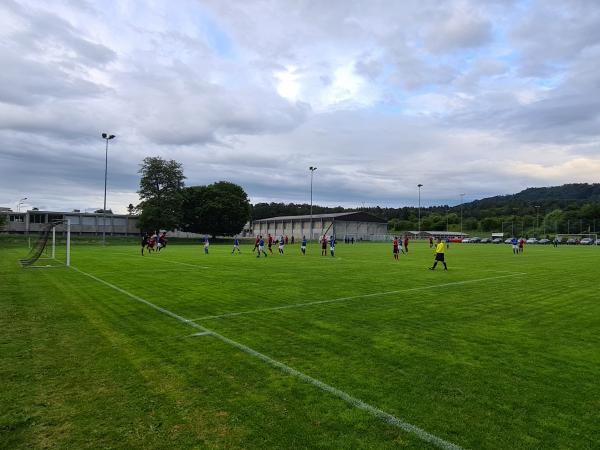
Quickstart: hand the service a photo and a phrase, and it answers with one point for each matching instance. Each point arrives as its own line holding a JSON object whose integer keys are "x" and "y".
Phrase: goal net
{"x": 46, "y": 249}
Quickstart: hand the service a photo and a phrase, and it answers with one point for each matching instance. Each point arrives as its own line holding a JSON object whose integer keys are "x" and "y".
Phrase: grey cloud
{"x": 553, "y": 33}
{"x": 186, "y": 110}
{"x": 163, "y": 91}
{"x": 27, "y": 82}
{"x": 47, "y": 32}
{"x": 369, "y": 66}
{"x": 481, "y": 72}
{"x": 460, "y": 30}
{"x": 569, "y": 113}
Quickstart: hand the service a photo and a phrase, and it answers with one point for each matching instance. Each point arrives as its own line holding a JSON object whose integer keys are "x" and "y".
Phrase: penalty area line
{"x": 354, "y": 297}
{"x": 357, "y": 403}
{"x": 153, "y": 258}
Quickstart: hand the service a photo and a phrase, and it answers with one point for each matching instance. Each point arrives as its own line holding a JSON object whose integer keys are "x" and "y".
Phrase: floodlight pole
{"x": 461, "y": 210}
{"x": 537, "y": 220}
{"x": 419, "y": 186}
{"x": 20, "y": 203}
{"x": 107, "y": 137}
{"x": 312, "y": 170}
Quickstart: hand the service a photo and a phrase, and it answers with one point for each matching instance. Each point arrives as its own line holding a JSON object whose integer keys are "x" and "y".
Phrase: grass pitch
{"x": 501, "y": 351}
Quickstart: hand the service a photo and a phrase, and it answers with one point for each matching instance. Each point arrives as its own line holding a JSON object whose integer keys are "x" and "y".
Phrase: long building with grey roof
{"x": 359, "y": 225}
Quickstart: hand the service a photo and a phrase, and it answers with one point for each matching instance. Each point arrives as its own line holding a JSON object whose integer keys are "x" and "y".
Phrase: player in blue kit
{"x": 236, "y": 246}
{"x": 261, "y": 247}
{"x": 303, "y": 245}
{"x": 281, "y": 244}
{"x": 332, "y": 245}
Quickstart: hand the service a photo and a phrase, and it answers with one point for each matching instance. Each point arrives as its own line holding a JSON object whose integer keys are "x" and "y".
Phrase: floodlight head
{"x": 312, "y": 168}
{"x": 112, "y": 136}
{"x": 104, "y": 136}
{"x": 419, "y": 185}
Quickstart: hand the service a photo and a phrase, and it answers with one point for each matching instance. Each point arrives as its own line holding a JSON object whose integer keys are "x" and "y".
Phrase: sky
{"x": 462, "y": 96}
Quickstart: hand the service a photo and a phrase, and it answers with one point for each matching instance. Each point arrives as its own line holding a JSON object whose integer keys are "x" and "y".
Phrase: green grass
{"x": 501, "y": 351}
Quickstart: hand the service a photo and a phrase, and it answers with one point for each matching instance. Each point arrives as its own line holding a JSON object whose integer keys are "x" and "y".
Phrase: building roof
{"x": 440, "y": 233}
{"x": 67, "y": 213}
{"x": 352, "y": 216}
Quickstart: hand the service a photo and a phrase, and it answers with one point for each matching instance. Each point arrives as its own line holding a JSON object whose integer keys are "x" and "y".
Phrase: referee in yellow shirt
{"x": 440, "y": 249}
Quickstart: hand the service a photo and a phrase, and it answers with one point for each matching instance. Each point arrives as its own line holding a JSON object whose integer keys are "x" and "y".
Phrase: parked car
{"x": 587, "y": 241}
{"x": 508, "y": 241}
{"x": 475, "y": 239}
{"x": 572, "y": 241}
{"x": 597, "y": 241}
{"x": 531, "y": 241}
{"x": 544, "y": 241}
{"x": 497, "y": 241}
{"x": 466, "y": 240}
{"x": 486, "y": 241}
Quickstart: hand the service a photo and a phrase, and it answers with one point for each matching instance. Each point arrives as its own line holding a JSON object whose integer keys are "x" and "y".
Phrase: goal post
{"x": 49, "y": 232}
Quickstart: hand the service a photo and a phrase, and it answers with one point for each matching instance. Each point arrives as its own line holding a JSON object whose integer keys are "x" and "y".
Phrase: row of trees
{"x": 499, "y": 214}
{"x": 223, "y": 208}
{"x": 220, "y": 208}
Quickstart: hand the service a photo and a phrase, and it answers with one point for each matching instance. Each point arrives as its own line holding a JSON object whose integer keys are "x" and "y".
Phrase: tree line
{"x": 571, "y": 208}
{"x": 220, "y": 208}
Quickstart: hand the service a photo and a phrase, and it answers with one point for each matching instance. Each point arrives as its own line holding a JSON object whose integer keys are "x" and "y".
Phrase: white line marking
{"x": 386, "y": 417}
{"x": 201, "y": 333}
{"x": 354, "y": 297}
{"x": 154, "y": 258}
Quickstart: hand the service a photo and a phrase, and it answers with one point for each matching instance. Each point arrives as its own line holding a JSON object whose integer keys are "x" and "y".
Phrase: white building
{"x": 81, "y": 223}
{"x": 359, "y": 225}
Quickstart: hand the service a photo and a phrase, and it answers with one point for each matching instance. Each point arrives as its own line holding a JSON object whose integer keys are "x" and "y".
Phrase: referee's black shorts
{"x": 439, "y": 256}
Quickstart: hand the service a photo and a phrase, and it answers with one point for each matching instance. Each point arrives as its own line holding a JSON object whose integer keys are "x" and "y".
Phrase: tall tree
{"x": 193, "y": 199}
{"x": 161, "y": 192}
{"x": 219, "y": 208}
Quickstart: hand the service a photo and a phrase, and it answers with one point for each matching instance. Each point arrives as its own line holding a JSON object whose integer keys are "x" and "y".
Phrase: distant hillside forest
{"x": 571, "y": 208}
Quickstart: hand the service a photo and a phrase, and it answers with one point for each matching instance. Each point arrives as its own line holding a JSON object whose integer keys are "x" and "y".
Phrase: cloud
{"x": 462, "y": 28}
{"x": 554, "y": 33}
{"x": 461, "y": 96}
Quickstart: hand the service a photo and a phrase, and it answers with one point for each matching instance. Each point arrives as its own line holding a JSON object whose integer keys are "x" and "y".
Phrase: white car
{"x": 586, "y": 241}
{"x": 597, "y": 241}
{"x": 532, "y": 241}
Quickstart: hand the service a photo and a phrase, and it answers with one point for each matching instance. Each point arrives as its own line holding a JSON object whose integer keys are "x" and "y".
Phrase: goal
{"x": 41, "y": 252}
